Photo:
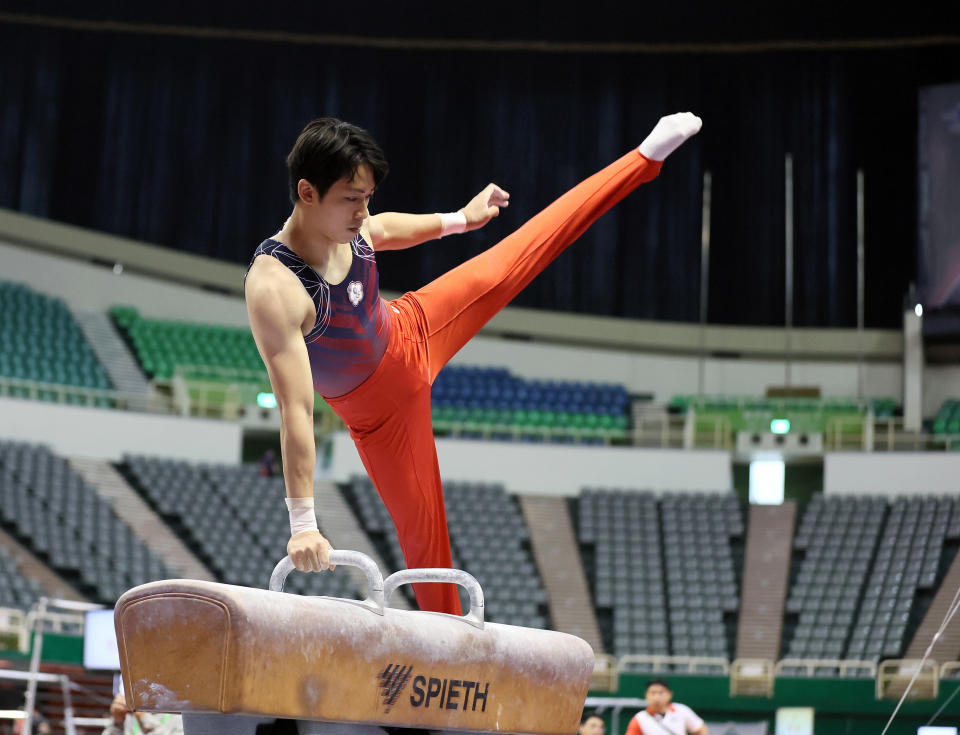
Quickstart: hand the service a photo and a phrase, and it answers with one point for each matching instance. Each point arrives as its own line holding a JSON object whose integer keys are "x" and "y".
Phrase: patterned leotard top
{"x": 352, "y": 328}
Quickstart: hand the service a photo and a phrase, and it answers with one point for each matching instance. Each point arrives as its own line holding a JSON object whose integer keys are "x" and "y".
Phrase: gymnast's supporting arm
{"x": 398, "y": 231}
{"x": 276, "y": 322}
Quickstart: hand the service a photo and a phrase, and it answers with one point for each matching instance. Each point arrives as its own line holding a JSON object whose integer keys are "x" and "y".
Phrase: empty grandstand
{"x": 43, "y": 352}
{"x": 56, "y": 514}
{"x": 233, "y": 519}
{"x": 663, "y": 570}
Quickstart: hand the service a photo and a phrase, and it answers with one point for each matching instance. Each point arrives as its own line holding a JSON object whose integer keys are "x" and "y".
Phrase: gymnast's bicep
{"x": 275, "y": 321}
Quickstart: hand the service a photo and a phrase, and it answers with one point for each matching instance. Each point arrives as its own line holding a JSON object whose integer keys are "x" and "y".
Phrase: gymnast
{"x": 320, "y": 324}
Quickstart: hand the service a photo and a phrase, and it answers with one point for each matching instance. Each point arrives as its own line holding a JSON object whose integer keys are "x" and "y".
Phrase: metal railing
{"x": 709, "y": 432}
{"x": 55, "y": 611}
{"x": 33, "y": 678}
{"x": 82, "y": 396}
{"x": 895, "y": 675}
{"x": 752, "y": 677}
{"x": 890, "y": 435}
{"x": 606, "y": 674}
{"x": 817, "y": 666}
{"x": 838, "y": 436}
{"x": 675, "y": 664}
{"x": 950, "y": 670}
{"x": 13, "y": 623}
{"x": 616, "y": 705}
{"x": 231, "y": 394}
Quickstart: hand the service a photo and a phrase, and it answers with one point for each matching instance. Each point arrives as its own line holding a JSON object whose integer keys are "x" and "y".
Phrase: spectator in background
{"x": 663, "y": 716}
{"x": 40, "y": 725}
{"x": 269, "y": 467}
{"x": 125, "y": 722}
{"x": 591, "y": 724}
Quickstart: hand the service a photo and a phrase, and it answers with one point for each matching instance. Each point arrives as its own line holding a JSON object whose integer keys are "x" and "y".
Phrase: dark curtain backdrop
{"x": 181, "y": 142}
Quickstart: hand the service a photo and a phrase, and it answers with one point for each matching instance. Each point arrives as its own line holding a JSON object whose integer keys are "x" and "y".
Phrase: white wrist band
{"x": 302, "y": 516}
{"x": 452, "y": 223}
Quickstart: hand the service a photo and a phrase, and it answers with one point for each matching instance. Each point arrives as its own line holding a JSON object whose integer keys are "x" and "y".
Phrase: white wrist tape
{"x": 302, "y": 516}
{"x": 452, "y": 223}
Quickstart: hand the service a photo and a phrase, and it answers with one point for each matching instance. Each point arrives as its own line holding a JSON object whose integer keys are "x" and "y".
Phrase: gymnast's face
{"x": 341, "y": 211}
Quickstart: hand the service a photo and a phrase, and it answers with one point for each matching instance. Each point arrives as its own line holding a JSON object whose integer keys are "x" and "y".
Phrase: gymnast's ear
{"x": 307, "y": 192}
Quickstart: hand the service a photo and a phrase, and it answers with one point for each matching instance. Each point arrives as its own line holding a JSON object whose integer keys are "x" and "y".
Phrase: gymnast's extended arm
{"x": 277, "y": 314}
{"x": 398, "y": 231}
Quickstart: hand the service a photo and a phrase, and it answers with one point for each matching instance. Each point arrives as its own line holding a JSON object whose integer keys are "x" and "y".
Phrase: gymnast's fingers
{"x": 497, "y": 197}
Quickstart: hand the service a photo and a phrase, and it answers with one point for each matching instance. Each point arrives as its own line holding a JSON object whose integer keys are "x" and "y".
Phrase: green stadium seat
{"x": 41, "y": 342}
{"x": 164, "y": 347}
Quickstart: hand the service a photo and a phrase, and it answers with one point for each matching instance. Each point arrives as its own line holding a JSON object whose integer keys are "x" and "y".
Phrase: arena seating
{"x": 16, "y": 590}
{"x": 491, "y": 403}
{"x": 907, "y": 563}
{"x": 702, "y": 583}
{"x": 947, "y": 420}
{"x": 837, "y": 537}
{"x": 488, "y": 538}
{"x": 375, "y": 520}
{"x": 234, "y": 520}
{"x": 41, "y": 342}
{"x": 161, "y": 346}
{"x": 946, "y": 424}
{"x": 865, "y": 564}
{"x": 467, "y": 401}
{"x": 667, "y": 584}
{"x": 49, "y": 508}
{"x": 623, "y": 531}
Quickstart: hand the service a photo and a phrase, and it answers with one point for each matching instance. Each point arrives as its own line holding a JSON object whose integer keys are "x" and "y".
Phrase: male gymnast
{"x": 320, "y": 324}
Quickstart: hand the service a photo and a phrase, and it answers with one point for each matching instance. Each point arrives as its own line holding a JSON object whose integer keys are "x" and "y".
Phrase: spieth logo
{"x": 432, "y": 692}
{"x": 451, "y": 693}
{"x": 355, "y": 292}
{"x": 392, "y": 681}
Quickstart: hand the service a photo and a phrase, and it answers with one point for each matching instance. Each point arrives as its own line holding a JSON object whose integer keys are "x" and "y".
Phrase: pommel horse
{"x": 198, "y": 647}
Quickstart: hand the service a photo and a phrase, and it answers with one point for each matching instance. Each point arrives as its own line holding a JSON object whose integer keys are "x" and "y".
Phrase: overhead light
{"x": 918, "y": 310}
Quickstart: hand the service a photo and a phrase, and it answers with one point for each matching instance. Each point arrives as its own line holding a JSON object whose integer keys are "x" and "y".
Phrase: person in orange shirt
{"x": 663, "y": 716}
{"x": 320, "y": 325}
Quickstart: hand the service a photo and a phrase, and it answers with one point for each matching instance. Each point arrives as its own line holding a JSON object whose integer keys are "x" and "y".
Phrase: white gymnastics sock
{"x": 668, "y": 134}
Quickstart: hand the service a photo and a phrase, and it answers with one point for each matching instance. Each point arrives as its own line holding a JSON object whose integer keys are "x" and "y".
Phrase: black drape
{"x": 180, "y": 141}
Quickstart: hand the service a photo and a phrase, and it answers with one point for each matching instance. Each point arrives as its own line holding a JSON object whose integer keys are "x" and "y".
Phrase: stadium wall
{"x": 894, "y": 473}
{"x": 543, "y": 469}
{"x": 76, "y": 431}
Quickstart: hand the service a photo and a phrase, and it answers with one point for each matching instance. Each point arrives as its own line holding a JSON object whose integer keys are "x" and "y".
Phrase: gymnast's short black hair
{"x": 658, "y": 683}
{"x": 587, "y": 715}
{"x": 328, "y": 150}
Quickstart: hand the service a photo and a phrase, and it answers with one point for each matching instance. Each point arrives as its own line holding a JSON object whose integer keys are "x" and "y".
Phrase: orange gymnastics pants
{"x": 389, "y": 413}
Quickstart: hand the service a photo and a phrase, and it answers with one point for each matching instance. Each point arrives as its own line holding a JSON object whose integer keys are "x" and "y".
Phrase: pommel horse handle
{"x": 380, "y": 591}
{"x": 474, "y": 616}
{"x": 374, "y": 599}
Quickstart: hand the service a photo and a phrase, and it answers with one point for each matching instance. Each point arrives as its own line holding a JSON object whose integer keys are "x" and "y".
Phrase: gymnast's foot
{"x": 668, "y": 134}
